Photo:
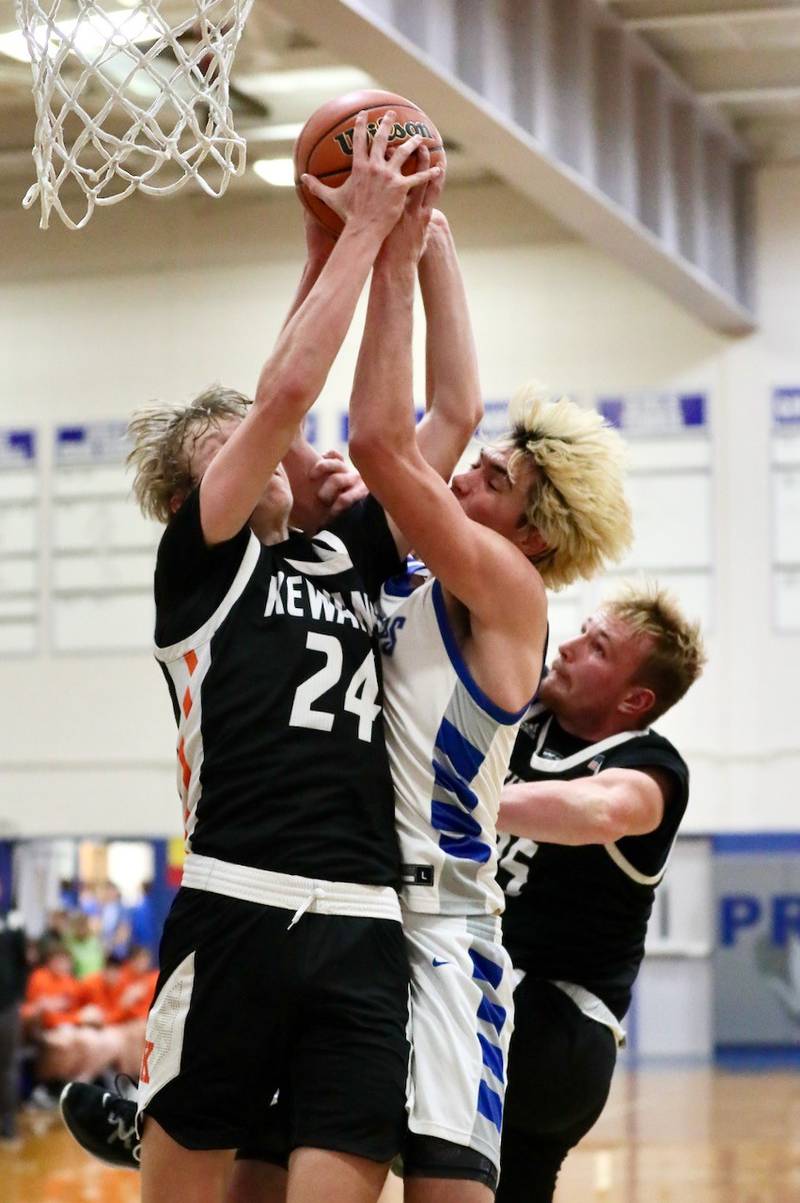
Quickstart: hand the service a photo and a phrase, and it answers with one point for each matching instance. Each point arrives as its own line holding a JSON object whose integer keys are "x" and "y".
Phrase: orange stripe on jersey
{"x": 187, "y": 772}
{"x": 144, "y": 1072}
{"x": 187, "y": 703}
{"x": 191, "y": 661}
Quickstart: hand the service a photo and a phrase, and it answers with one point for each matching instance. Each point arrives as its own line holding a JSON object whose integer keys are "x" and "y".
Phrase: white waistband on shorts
{"x": 594, "y": 1008}
{"x": 298, "y": 894}
{"x": 587, "y": 1003}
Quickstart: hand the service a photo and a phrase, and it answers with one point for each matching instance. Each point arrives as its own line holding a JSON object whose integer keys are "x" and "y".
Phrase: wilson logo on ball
{"x": 399, "y": 133}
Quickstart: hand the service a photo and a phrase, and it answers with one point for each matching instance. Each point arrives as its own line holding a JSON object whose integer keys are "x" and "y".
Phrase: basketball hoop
{"x": 126, "y": 99}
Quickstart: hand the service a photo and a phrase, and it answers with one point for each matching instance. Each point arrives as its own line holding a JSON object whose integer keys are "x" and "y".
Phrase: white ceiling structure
{"x": 741, "y": 57}
{"x": 634, "y": 123}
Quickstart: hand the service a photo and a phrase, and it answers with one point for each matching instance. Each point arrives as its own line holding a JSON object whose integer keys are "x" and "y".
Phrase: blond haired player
{"x": 462, "y": 658}
{"x": 592, "y": 810}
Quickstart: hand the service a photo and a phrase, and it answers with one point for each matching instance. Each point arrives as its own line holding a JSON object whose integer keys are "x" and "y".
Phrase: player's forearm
{"x": 309, "y": 342}
{"x": 311, "y": 273}
{"x": 381, "y": 405}
{"x": 451, "y": 361}
{"x": 559, "y": 812}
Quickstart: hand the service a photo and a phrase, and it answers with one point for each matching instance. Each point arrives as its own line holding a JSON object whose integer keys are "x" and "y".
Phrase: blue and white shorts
{"x": 462, "y": 1017}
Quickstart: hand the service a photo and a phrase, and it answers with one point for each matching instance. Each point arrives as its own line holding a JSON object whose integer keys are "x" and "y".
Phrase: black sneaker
{"x": 103, "y": 1124}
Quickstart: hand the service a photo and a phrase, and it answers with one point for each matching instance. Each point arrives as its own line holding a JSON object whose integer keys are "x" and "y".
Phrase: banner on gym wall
{"x": 657, "y": 415}
{"x": 757, "y": 953}
{"x": 17, "y": 448}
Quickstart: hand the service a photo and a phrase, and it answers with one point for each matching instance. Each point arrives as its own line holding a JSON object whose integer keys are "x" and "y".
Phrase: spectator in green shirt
{"x": 85, "y": 946}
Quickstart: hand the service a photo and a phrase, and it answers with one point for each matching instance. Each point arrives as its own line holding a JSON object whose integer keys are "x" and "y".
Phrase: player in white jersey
{"x": 463, "y": 653}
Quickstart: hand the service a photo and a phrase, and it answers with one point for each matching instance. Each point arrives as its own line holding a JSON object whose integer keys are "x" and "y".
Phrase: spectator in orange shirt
{"x": 50, "y": 1013}
{"x": 101, "y": 994}
{"x": 115, "y": 1003}
{"x": 67, "y": 1024}
{"x": 137, "y": 991}
{"x": 52, "y": 998}
{"x": 138, "y": 983}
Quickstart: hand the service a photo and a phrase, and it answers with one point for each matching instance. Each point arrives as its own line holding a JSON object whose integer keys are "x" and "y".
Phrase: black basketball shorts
{"x": 560, "y": 1067}
{"x": 246, "y": 1003}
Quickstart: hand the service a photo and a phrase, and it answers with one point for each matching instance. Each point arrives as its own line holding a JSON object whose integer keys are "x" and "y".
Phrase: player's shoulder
{"x": 648, "y": 750}
{"x": 650, "y": 739}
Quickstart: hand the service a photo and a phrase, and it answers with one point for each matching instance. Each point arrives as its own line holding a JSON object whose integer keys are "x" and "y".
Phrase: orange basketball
{"x": 324, "y": 146}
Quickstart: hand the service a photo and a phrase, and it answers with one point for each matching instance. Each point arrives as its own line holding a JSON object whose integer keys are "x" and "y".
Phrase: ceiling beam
{"x": 633, "y": 10}
{"x": 692, "y": 19}
{"x": 740, "y": 69}
{"x": 754, "y": 96}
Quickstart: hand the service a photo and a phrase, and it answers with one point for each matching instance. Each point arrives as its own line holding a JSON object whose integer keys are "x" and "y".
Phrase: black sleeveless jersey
{"x": 270, "y": 655}
{"x": 579, "y": 914}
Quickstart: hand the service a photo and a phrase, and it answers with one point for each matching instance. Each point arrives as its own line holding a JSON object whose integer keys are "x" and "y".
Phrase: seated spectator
{"x": 52, "y": 995}
{"x": 115, "y": 1002}
{"x": 100, "y": 994}
{"x": 138, "y": 988}
{"x": 50, "y": 1014}
{"x": 138, "y": 983}
{"x": 84, "y": 946}
{"x": 67, "y": 1026}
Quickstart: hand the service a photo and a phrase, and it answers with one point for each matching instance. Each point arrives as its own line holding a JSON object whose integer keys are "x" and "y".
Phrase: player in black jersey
{"x": 102, "y": 1122}
{"x": 282, "y": 960}
{"x": 594, "y": 799}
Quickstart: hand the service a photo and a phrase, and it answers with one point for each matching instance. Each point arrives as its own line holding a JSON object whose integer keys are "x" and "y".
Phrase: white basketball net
{"x": 127, "y": 100}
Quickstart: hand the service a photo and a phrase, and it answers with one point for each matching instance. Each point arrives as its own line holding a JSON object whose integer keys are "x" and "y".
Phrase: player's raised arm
{"x": 309, "y": 510}
{"x": 454, "y": 406}
{"x": 293, "y": 376}
{"x": 477, "y": 564}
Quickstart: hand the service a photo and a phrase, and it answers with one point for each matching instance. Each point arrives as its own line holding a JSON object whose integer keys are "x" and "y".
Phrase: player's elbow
{"x": 617, "y": 815}
{"x": 289, "y": 382}
{"x": 371, "y": 450}
{"x": 473, "y": 415}
{"x": 462, "y": 411}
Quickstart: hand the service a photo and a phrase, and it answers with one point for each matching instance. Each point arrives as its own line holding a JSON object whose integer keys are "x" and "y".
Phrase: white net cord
{"x": 127, "y": 100}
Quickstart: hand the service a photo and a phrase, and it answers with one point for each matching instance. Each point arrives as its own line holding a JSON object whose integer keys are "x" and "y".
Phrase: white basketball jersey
{"x": 449, "y": 746}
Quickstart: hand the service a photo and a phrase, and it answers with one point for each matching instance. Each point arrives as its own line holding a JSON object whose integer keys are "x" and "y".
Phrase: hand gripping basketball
{"x": 324, "y": 146}
{"x": 374, "y": 194}
{"x": 408, "y": 239}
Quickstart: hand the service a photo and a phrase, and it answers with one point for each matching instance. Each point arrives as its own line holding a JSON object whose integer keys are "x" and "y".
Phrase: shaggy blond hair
{"x": 677, "y": 654}
{"x": 577, "y": 501}
{"x": 163, "y": 437}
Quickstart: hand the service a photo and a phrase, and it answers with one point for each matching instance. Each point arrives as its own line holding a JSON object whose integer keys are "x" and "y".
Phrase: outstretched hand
{"x": 408, "y": 239}
{"x": 374, "y": 194}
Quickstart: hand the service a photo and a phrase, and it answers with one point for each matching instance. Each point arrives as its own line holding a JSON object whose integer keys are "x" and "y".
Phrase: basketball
{"x": 324, "y": 147}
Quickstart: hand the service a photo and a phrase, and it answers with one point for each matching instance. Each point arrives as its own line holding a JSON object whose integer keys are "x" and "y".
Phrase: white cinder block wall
{"x": 159, "y": 299}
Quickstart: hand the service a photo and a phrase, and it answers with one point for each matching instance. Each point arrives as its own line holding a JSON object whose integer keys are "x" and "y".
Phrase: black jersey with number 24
{"x": 579, "y": 914}
{"x": 269, "y": 653}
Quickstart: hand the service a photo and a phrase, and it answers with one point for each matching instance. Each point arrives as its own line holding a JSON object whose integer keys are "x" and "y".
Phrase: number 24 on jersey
{"x": 359, "y": 698}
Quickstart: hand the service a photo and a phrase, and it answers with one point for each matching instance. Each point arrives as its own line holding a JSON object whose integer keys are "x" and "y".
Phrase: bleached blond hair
{"x": 163, "y": 437}
{"x": 677, "y": 655}
{"x": 577, "y": 500}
